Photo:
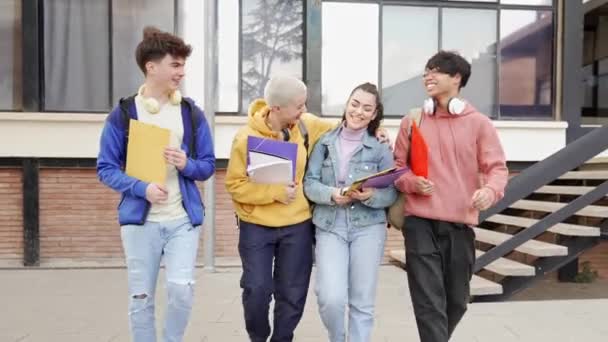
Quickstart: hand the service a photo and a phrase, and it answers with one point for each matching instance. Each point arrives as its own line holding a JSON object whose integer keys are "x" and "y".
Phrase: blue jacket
{"x": 320, "y": 181}
{"x": 133, "y": 207}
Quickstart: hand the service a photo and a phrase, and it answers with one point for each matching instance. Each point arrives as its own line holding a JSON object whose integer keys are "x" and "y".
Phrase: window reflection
{"x": 128, "y": 21}
{"x": 526, "y": 63}
{"x": 76, "y": 56}
{"x": 527, "y": 2}
{"x": 228, "y": 56}
{"x": 349, "y": 51}
{"x": 472, "y": 33}
{"x": 272, "y": 40}
{"x": 404, "y": 55}
{"x": 10, "y": 49}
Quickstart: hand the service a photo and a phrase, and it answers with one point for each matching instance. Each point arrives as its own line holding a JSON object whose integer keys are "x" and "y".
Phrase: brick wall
{"x": 11, "y": 215}
{"x": 227, "y": 236}
{"x": 598, "y": 259}
{"x": 77, "y": 216}
{"x": 78, "y": 219}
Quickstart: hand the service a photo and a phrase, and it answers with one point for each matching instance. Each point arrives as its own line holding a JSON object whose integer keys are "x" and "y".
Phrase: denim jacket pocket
{"x": 364, "y": 168}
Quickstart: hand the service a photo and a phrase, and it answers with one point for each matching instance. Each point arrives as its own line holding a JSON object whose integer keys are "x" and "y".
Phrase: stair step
{"x": 549, "y": 207}
{"x": 484, "y": 287}
{"x": 397, "y": 255}
{"x": 585, "y": 175}
{"x": 532, "y": 247}
{"x": 564, "y": 190}
{"x": 508, "y": 267}
{"x": 479, "y": 286}
{"x": 560, "y": 228}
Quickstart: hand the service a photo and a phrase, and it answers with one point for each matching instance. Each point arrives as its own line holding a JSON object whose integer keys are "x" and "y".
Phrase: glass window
{"x": 526, "y": 63}
{"x": 472, "y": 33}
{"x": 76, "y": 55}
{"x": 272, "y": 40}
{"x": 228, "y": 56}
{"x": 10, "y": 52}
{"x": 476, "y": 0}
{"x": 128, "y": 21}
{"x": 349, "y": 51}
{"x": 588, "y": 86}
{"x": 528, "y": 2}
{"x": 403, "y": 60}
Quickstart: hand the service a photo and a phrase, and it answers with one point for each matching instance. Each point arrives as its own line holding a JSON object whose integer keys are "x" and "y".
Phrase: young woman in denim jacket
{"x": 350, "y": 229}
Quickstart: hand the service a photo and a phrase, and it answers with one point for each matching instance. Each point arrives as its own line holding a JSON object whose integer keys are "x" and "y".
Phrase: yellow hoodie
{"x": 261, "y": 203}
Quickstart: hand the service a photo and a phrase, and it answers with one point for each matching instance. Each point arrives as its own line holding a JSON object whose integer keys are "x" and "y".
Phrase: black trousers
{"x": 289, "y": 250}
{"x": 439, "y": 261}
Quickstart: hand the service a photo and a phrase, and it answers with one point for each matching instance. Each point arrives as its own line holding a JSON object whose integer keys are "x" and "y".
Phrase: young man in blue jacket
{"x": 159, "y": 220}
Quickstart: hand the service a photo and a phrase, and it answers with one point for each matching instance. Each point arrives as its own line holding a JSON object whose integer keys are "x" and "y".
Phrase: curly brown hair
{"x": 156, "y": 44}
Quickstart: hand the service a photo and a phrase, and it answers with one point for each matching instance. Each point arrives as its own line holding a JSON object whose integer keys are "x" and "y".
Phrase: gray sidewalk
{"x": 90, "y": 305}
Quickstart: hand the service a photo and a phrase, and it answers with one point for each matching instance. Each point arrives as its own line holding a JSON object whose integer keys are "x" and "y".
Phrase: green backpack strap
{"x": 304, "y": 133}
{"x": 395, "y": 213}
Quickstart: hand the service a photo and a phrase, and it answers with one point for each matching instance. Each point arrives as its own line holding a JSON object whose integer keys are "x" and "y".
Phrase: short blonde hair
{"x": 282, "y": 90}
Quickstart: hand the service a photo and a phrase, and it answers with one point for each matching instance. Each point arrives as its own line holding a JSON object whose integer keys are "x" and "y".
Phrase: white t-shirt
{"x": 169, "y": 117}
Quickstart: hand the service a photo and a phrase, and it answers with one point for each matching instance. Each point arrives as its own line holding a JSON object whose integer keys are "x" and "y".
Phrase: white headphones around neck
{"x": 456, "y": 106}
{"x": 152, "y": 105}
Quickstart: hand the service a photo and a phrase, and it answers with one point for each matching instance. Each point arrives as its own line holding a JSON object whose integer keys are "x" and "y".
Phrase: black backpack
{"x": 126, "y": 103}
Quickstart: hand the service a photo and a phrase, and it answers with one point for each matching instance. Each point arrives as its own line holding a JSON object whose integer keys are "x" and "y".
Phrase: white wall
{"x": 77, "y": 135}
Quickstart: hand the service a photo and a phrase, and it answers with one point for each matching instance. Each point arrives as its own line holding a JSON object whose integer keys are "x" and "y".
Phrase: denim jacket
{"x": 320, "y": 180}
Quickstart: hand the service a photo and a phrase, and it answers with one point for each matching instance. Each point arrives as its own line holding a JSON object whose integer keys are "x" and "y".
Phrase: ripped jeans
{"x": 177, "y": 242}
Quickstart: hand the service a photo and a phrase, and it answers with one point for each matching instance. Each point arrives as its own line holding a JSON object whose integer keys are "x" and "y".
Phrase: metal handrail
{"x": 546, "y": 171}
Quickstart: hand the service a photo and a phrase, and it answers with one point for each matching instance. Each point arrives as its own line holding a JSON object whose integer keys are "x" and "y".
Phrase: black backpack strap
{"x": 125, "y": 104}
{"x": 194, "y": 123}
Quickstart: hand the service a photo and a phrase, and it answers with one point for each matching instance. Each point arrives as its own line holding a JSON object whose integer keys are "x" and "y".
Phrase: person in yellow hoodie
{"x": 275, "y": 220}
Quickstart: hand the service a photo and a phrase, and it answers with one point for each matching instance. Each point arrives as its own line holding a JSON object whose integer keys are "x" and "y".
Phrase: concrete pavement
{"x": 91, "y": 305}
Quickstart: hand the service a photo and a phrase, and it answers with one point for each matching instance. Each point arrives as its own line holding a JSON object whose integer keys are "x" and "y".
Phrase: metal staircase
{"x": 550, "y": 215}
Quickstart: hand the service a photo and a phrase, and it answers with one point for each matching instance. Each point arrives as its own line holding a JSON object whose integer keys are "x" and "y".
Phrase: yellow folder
{"x": 145, "y": 160}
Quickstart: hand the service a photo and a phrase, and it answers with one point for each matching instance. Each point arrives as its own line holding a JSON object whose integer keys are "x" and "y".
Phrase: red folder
{"x": 419, "y": 153}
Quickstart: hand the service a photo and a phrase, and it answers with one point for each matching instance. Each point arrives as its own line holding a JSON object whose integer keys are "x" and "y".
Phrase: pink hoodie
{"x": 464, "y": 155}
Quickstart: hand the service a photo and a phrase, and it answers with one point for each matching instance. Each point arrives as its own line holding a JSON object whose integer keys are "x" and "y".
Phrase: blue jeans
{"x": 177, "y": 242}
{"x": 347, "y": 261}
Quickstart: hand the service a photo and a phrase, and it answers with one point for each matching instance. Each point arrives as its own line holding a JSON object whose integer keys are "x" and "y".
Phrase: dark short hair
{"x": 156, "y": 44}
{"x": 450, "y": 63}
{"x": 370, "y": 88}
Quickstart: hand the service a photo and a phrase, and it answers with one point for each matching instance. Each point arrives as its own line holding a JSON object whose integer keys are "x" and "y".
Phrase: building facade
{"x": 66, "y": 64}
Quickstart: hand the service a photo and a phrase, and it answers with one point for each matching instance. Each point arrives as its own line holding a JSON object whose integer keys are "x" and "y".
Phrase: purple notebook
{"x": 282, "y": 149}
{"x": 384, "y": 180}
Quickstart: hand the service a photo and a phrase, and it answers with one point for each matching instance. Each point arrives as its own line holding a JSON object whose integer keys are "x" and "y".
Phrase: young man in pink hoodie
{"x": 467, "y": 174}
